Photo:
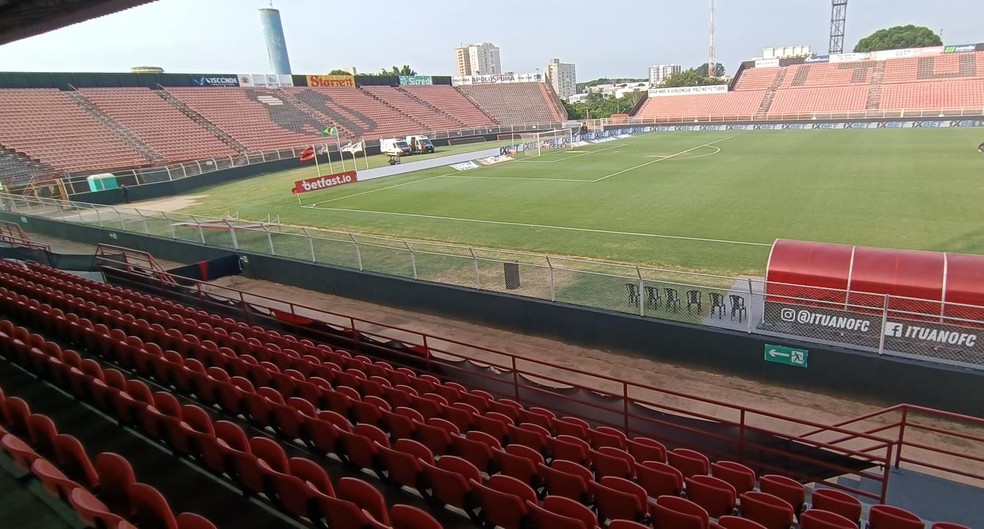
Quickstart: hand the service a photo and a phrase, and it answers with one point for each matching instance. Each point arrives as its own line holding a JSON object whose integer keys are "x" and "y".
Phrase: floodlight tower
{"x": 838, "y": 21}
{"x": 711, "y": 62}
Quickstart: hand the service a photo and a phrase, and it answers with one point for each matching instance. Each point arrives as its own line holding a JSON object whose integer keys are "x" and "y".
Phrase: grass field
{"x": 707, "y": 201}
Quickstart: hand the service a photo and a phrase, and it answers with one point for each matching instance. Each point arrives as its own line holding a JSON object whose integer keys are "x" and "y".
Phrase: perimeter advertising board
{"x": 316, "y": 81}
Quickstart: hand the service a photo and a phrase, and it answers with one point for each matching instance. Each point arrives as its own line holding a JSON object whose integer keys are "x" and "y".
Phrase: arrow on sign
{"x": 776, "y": 354}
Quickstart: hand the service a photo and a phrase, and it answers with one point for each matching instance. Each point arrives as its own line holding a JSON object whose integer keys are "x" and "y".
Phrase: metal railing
{"x": 76, "y": 183}
{"x": 932, "y": 331}
{"x": 901, "y": 436}
{"x": 679, "y": 417}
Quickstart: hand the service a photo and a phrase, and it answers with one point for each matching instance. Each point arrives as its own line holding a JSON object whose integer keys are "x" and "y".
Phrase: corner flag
{"x": 330, "y": 131}
{"x": 307, "y": 154}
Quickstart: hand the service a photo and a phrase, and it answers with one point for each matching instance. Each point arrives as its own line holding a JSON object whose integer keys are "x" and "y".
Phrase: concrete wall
{"x": 880, "y": 379}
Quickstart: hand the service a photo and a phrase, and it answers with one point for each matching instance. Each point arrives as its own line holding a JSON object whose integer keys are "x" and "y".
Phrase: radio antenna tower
{"x": 838, "y": 21}
{"x": 711, "y": 61}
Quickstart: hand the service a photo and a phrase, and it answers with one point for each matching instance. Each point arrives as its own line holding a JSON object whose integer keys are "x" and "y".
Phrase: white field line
{"x": 547, "y": 226}
{"x": 377, "y": 190}
{"x": 623, "y": 171}
{"x": 564, "y": 159}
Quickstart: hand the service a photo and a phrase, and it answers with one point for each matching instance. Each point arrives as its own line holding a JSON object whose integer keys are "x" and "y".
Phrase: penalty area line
{"x": 549, "y": 227}
{"x": 623, "y": 171}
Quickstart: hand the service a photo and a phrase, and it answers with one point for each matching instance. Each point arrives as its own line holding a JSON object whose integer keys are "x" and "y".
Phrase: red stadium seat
{"x": 889, "y": 517}
{"x": 838, "y": 502}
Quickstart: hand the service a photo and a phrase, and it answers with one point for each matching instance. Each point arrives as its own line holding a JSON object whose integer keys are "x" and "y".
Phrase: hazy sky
{"x": 603, "y": 38}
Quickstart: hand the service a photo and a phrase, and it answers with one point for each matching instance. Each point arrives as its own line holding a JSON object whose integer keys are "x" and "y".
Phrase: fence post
{"x": 751, "y": 297}
{"x": 314, "y": 257}
{"x": 478, "y": 276}
{"x": 413, "y": 259}
{"x": 201, "y": 229}
{"x": 167, "y": 169}
{"x": 553, "y": 285}
{"x": 884, "y": 321}
{"x": 901, "y": 439}
{"x": 232, "y": 234}
{"x": 174, "y": 234}
{"x": 119, "y": 217}
{"x": 358, "y": 251}
{"x": 144, "y": 219}
{"x": 269, "y": 239}
{"x": 642, "y": 305}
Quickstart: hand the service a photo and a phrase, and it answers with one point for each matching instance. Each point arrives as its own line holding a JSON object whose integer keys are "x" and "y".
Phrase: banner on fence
{"x": 909, "y": 335}
{"x": 767, "y": 63}
{"x": 465, "y": 166}
{"x": 678, "y": 90}
{"x": 829, "y": 125}
{"x": 330, "y": 80}
{"x": 214, "y": 80}
{"x": 960, "y": 48}
{"x": 318, "y": 183}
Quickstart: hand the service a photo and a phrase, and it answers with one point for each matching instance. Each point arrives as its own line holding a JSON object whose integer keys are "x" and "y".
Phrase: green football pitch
{"x": 702, "y": 201}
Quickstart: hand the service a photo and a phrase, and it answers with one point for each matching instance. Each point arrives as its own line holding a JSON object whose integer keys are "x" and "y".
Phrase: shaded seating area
{"x": 452, "y": 102}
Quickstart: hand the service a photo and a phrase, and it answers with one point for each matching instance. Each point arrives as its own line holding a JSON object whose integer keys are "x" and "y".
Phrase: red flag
{"x": 307, "y": 154}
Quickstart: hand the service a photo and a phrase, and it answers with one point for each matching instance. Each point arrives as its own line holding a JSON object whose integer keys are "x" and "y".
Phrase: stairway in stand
{"x": 200, "y": 119}
{"x": 121, "y": 132}
{"x": 875, "y": 91}
{"x": 770, "y": 94}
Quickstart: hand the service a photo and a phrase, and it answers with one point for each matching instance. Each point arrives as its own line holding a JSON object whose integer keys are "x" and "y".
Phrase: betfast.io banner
{"x": 324, "y": 182}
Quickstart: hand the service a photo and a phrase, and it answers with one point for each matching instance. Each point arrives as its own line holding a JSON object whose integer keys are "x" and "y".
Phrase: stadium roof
{"x": 20, "y": 19}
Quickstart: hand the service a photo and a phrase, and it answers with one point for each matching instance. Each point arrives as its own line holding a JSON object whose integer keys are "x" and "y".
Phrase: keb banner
{"x": 324, "y": 182}
{"x": 330, "y": 80}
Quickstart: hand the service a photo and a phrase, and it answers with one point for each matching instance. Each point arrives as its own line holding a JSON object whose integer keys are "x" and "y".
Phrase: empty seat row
{"x": 103, "y": 492}
{"x": 371, "y": 463}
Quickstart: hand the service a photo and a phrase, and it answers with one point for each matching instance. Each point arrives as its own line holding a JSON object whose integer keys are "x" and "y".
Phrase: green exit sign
{"x": 786, "y": 355}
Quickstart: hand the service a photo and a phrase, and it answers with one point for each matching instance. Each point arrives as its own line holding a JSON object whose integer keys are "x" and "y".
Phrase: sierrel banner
{"x": 416, "y": 80}
{"x": 214, "y": 80}
{"x": 767, "y": 63}
{"x": 324, "y": 182}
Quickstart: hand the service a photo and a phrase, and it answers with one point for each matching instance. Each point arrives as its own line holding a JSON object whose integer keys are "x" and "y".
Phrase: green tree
{"x": 601, "y": 106}
{"x": 899, "y": 37}
{"x": 339, "y": 72}
{"x": 398, "y": 71}
{"x": 718, "y": 70}
{"x": 689, "y": 78}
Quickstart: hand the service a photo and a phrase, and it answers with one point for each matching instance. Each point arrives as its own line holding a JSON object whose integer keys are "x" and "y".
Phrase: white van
{"x": 420, "y": 144}
{"x": 394, "y": 147}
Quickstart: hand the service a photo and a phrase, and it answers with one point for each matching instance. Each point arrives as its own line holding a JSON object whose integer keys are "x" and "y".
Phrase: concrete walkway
{"x": 393, "y": 170}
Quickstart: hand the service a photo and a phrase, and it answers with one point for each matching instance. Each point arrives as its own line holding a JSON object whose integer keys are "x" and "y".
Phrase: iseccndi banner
{"x": 324, "y": 182}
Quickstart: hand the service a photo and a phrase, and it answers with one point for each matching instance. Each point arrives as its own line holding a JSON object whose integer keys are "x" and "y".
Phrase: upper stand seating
{"x": 727, "y": 105}
{"x": 48, "y": 126}
{"x": 157, "y": 123}
{"x": 514, "y": 103}
{"x": 428, "y": 116}
{"x": 358, "y": 112}
{"x": 451, "y": 102}
{"x": 259, "y": 118}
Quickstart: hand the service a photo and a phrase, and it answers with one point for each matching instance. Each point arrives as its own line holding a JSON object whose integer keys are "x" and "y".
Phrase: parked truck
{"x": 420, "y": 144}
{"x": 394, "y": 147}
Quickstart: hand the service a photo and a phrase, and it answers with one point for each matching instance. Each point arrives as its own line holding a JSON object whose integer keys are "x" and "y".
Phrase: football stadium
{"x": 404, "y": 301}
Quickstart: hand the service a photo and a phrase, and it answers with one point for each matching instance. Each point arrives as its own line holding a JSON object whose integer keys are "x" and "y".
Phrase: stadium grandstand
{"x": 949, "y": 84}
{"x": 141, "y": 393}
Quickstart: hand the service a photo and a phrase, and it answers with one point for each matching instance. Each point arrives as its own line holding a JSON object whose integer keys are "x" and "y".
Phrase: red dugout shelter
{"x": 915, "y": 284}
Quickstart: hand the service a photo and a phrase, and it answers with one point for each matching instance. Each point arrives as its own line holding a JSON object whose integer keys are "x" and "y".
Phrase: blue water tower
{"x": 273, "y": 33}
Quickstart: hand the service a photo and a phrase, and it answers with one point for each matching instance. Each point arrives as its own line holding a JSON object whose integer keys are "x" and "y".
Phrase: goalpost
{"x": 535, "y": 143}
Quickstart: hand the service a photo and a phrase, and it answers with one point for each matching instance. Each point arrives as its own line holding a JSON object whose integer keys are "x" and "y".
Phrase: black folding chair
{"x": 633, "y": 292}
{"x": 738, "y": 307}
{"x": 653, "y": 298}
{"x": 672, "y": 298}
{"x": 694, "y": 297}
{"x": 717, "y": 303}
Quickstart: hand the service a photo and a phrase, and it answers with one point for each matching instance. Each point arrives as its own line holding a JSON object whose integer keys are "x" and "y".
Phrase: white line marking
{"x": 547, "y": 226}
{"x": 530, "y": 160}
{"x": 380, "y": 189}
{"x": 517, "y": 178}
{"x": 623, "y": 171}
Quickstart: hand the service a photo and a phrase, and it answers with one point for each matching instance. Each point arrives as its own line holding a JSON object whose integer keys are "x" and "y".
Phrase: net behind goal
{"x": 537, "y": 143}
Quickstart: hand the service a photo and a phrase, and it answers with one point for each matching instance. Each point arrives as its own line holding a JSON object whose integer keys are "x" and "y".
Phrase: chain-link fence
{"x": 929, "y": 330}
